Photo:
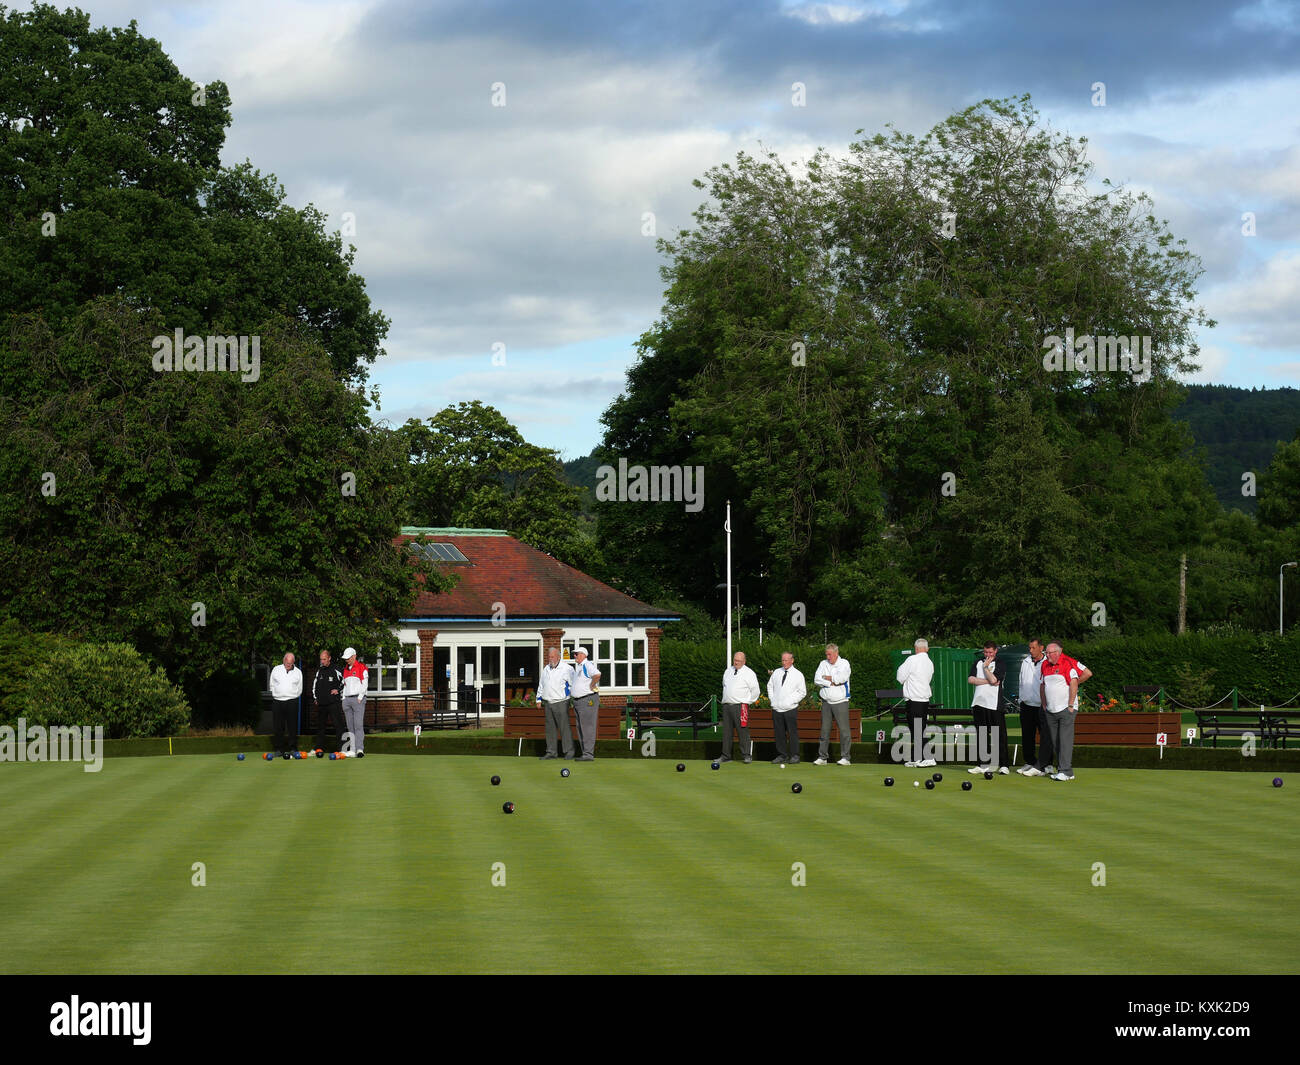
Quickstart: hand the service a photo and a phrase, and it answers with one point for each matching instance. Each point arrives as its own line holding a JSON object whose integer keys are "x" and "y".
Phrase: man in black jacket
{"x": 327, "y": 690}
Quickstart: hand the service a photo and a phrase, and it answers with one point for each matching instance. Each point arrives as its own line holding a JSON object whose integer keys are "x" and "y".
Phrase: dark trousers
{"x": 1031, "y": 728}
{"x": 1046, "y": 749}
{"x": 785, "y": 730}
{"x": 986, "y": 719}
{"x": 730, "y": 725}
{"x": 330, "y": 719}
{"x": 284, "y": 719}
{"x": 916, "y": 711}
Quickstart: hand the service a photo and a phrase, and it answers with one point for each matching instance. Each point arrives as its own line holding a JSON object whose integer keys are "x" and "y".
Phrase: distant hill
{"x": 1239, "y": 428}
{"x": 582, "y": 471}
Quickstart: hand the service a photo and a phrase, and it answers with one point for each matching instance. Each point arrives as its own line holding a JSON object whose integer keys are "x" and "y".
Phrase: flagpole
{"x": 728, "y": 662}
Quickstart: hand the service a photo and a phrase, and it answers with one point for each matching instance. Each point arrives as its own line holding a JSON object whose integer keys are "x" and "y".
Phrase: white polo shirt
{"x": 1031, "y": 677}
{"x": 1056, "y": 681}
{"x": 986, "y": 695}
{"x": 583, "y": 675}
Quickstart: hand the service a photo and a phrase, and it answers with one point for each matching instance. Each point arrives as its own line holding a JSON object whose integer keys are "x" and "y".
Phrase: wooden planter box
{"x": 529, "y": 722}
{"x": 1127, "y": 730}
{"x": 762, "y": 730}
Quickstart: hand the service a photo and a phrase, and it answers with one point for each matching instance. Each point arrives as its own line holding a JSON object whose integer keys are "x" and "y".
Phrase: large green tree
{"x": 852, "y": 346}
{"x": 208, "y": 521}
{"x": 111, "y": 183}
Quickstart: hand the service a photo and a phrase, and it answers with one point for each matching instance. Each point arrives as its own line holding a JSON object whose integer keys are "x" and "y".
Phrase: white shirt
{"x": 554, "y": 687}
{"x": 583, "y": 675}
{"x": 833, "y": 680}
{"x": 986, "y": 695}
{"x": 786, "y": 694}
{"x": 915, "y": 675}
{"x": 354, "y": 686}
{"x": 1031, "y": 679}
{"x": 1057, "y": 686}
{"x": 286, "y": 684}
{"x": 740, "y": 686}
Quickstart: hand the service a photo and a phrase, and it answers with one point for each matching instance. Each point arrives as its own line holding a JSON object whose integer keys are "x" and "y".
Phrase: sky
{"x": 509, "y": 246}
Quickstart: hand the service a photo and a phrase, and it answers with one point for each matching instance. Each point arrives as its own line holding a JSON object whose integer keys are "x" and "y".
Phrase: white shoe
{"x": 976, "y": 769}
{"x": 1022, "y": 769}
{"x": 820, "y": 761}
{"x": 1062, "y": 776}
{"x": 1030, "y": 771}
{"x": 911, "y": 765}
{"x": 843, "y": 761}
{"x": 1005, "y": 771}
{"x": 926, "y": 763}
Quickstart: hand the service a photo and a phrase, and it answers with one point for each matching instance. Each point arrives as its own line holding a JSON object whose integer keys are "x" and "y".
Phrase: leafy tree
{"x": 110, "y": 183}
{"x": 471, "y": 468}
{"x": 919, "y": 278}
{"x": 129, "y": 497}
{"x": 1023, "y": 528}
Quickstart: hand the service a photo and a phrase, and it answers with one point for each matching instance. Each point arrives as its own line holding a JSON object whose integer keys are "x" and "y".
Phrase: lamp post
{"x": 1279, "y": 593}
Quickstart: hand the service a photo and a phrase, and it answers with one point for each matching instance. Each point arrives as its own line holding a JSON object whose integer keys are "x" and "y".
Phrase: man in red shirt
{"x": 1062, "y": 676}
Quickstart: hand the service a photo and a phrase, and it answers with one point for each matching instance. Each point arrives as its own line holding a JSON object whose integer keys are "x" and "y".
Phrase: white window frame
{"x": 378, "y": 668}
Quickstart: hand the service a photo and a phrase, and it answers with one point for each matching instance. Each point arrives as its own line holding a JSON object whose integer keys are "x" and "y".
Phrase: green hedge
{"x": 1196, "y": 669}
{"x": 690, "y": 670}
{"x": 100, "y": 684}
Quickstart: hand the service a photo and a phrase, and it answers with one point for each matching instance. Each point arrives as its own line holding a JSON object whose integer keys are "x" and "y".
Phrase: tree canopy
{"x": 111, "y": 184}
{"x": 854, "y": 349}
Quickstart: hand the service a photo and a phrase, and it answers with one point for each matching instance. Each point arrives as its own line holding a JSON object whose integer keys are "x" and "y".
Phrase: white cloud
{"x": 1263, "y": 310}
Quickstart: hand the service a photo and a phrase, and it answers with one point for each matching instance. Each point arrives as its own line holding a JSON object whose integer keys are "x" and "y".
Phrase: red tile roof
{"x": 529, "y": 582}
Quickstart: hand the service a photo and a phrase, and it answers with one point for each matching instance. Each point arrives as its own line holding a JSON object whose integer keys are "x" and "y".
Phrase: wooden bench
{"x": 529, "y": 722}
{"x": 1211, "y": 724}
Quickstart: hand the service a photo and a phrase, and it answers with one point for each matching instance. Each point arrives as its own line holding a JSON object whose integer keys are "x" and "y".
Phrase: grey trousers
{"x": 840, "y": 711}
{"x": 731, "y": 725}
{"x": 354, "y": 713}
{"x": 557, "y": 725}
{"x": 1060, "y": 734}
{"x": 586, "y": 708}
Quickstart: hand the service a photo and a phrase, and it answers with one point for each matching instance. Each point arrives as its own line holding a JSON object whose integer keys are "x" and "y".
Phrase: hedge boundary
{"x": 1190, "y": 758}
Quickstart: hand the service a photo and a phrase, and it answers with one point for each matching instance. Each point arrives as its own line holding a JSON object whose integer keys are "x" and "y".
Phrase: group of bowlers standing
{"x": 340, "y": 696}
{"x": 786, "y": 689}
{"x": 1048, "y": 701}
{"x": 575, "y": 682}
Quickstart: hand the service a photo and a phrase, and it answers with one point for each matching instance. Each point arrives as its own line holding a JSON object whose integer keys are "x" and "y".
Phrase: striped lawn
{"x": 385, "y": 865}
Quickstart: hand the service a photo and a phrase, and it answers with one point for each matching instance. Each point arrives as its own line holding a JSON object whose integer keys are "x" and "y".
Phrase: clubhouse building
{"x": 485, "y": 640}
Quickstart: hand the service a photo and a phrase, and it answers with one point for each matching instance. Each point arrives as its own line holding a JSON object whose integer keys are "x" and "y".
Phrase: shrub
{"x": 104, "y": 684}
